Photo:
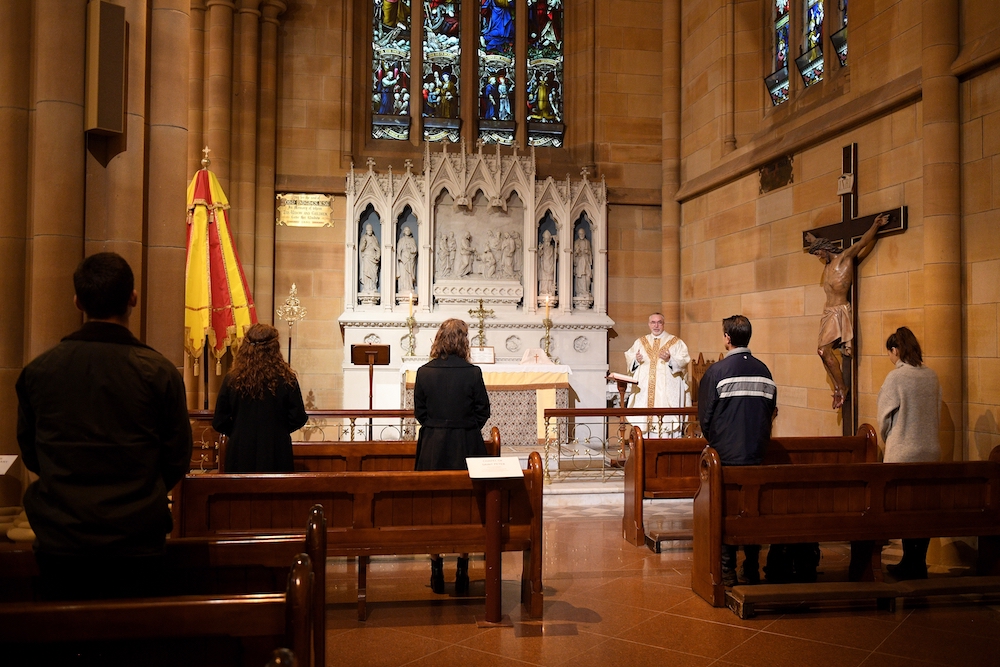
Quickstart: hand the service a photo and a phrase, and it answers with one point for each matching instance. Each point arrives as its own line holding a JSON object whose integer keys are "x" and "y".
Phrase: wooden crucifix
{"x": 841, "y": 246}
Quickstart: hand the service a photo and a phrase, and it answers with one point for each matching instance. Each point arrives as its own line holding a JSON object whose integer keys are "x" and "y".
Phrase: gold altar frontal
{"x": 519, "y": 395}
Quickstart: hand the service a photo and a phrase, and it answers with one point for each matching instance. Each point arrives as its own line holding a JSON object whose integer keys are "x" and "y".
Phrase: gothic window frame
{"x": 778, "y": 86}
{"x": 527, "y": 129}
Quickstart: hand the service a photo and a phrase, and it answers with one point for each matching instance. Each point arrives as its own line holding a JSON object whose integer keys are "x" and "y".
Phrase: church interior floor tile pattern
{"x": 609, "y": 604}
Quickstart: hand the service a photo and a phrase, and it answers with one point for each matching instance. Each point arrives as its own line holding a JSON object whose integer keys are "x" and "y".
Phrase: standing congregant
{"x": 909, "y": 416}
{"x": 102, "y": 420}
{"x": 737, "y": 401}
{"x": 658, "y": 361}
{"x": 259, "y": 405}
{"x": 452, "y": 406}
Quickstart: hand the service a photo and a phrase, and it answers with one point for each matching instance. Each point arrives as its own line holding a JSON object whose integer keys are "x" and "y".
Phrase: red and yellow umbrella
{"x": 217, "y": 300}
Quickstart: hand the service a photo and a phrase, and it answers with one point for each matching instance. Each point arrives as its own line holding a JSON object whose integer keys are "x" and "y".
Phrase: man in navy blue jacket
{"x": 737, "y": 401}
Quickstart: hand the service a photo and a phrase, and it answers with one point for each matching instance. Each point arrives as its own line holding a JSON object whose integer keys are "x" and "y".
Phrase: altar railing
{"x": 591, "y": 441}
{"x": 583, "y": 442}
{"x": 326, "y": 426}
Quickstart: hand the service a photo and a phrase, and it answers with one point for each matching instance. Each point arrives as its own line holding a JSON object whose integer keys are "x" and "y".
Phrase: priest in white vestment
{"x": 659, "y": 364}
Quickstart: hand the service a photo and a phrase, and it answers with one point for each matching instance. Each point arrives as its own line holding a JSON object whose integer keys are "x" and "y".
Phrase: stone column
{"x": 170, "y": 35}
{"x": 218, "y": 124}
{"x": 196, "y": 87}
{"x": 263, "y": 258}
{"x": 942, "y": 343}
{"x": 116, "y": 170}
{"x": 729, "y": 140}
{"x": 244, "y": 172}
{"x": 670, "y": 267}
{"x": 56, "y": 171}
{"x": 15, "y": 84}
{"x": 942, "y": 279}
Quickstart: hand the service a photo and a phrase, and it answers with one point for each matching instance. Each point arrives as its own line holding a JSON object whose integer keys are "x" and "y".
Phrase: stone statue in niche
{"x": 447, "y": 249}
{"x": 406, "y": 263}
{"x": 507, "y": 250}
{"x": 489, "y": 258}
{"x": 369, "y": 257}
{"x": 468, "y": 252}
{"x": 547, "y": 265}
{"x": 583, "y": 269}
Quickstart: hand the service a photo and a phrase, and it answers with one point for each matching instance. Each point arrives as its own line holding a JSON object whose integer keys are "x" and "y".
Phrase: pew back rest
{"x": 367, "y": 512}
{"x": 854, "y": 501}
{"x": 361, "y": 455}
{"x": 669, "y": 467}
{"x": 27, "y": 626}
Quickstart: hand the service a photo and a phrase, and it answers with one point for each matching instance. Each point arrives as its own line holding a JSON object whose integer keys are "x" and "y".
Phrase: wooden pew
{"x": 145, "y": 631}
{"x": 362, "y": 455}
{"x": 669, "y": 468}
{"x": 374, "y": 513}
{"x": 208, "y": 567}
{"x": 852, "y": 502}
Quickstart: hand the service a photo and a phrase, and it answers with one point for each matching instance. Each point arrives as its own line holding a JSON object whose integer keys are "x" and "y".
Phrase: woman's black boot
{"x": 462, "y": 576}
{"x": 437, "y": 574}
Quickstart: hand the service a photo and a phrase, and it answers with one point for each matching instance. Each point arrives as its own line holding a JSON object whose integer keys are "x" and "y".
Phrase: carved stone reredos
{"x": 490, "y": 195}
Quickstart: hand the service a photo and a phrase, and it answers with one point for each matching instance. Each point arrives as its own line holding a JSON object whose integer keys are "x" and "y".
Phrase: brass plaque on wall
{"x": 304, "y": 210}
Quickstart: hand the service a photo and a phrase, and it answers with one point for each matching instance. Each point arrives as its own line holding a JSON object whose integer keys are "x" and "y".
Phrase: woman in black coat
{"x": 452, "y": 406}
{"x": 259, "y": 406}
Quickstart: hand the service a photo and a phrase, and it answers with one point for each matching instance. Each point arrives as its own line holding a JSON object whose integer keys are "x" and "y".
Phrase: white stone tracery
{"x": 479, "y": 222}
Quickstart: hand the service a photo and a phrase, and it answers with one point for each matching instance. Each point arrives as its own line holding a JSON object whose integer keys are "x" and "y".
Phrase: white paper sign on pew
{"x": 494, "y": 467}
{"x": 6, "y": 461}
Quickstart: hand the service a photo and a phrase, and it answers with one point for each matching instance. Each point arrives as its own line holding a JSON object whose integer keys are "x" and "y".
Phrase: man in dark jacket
{"x": 102, "y": 420}
{"x": 737, "y": 401}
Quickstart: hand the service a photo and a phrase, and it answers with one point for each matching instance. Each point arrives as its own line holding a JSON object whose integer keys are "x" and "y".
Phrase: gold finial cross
{"x": 481, "y": 314}
{"x": 205, "y": 161}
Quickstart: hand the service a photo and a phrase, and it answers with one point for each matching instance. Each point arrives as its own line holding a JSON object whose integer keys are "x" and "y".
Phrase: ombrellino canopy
{"x": 217, "y": 300}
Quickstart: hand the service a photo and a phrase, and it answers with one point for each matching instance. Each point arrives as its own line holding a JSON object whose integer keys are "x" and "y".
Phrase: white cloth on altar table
{"x": 669, "y": 385}
{"x": 545, "y": 380}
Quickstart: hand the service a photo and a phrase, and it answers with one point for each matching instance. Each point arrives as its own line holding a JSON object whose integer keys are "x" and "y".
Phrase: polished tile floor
{"x": 609, "y": 604}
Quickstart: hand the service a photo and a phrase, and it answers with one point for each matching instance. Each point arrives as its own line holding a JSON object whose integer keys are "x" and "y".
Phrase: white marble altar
{"x": 478, "y": 220}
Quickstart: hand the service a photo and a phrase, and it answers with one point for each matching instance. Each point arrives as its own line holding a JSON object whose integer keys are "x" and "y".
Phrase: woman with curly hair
{"x": 259, "y": 406}
{"x": 452, "y": 406}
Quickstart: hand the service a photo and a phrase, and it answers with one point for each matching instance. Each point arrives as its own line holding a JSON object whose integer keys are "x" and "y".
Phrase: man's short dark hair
{"x": 738, "y": 329}
{"x": 104, "y": 284}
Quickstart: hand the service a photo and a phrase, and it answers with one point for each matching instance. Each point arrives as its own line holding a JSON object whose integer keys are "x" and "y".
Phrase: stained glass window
{"x": 496, "y": 71}
{"x": 780, "y": 34}
{"x": 839, "y": 38}
{"x": 810, "y": 63}
{"x": 391, "y": 70}
{"x": 777, "y": 81}
{"x": 441, "y": 70}
{"x": 545, "y": 72}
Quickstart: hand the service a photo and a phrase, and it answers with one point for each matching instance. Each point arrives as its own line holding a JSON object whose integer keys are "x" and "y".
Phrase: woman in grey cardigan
{"x": 909, "y": 413}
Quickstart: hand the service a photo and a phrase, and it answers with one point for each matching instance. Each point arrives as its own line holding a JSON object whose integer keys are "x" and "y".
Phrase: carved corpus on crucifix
{"x": 840, "y": 247}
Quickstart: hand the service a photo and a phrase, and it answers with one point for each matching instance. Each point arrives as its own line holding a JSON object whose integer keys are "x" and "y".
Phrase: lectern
{"x": 373, "y": 355}
{"x": 623, "y": 382}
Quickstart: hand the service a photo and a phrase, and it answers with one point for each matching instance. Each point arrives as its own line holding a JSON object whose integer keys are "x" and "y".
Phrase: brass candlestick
{"x": 547, "y": 323}
{"x": 291, "y": 311}
{"x": 411, "y": 339}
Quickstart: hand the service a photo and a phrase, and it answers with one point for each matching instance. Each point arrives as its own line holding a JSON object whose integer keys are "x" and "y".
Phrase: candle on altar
{"x": 546, "y": 306}
{"x": 411, "y": 304}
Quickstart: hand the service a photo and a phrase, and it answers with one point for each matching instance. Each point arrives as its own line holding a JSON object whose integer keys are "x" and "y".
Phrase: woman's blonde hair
{"x": 451, "y": 338}
{"x": 259, "y": 367}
